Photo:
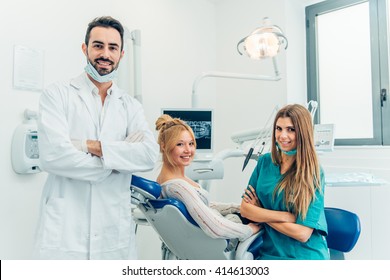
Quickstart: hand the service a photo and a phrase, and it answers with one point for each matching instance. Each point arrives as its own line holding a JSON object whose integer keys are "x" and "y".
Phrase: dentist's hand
{"x": 93, "y": 147}
{"x": 135, "y": 136}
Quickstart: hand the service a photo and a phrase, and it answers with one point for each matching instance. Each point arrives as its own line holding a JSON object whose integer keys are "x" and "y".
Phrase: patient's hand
{"x": 225, "y": 208}
{"x": 255, "y": 227}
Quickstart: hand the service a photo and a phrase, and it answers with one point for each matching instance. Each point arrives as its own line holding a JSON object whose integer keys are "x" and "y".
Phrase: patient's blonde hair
{"x": 302, "y": 180}
{"x": 170, "y": 130}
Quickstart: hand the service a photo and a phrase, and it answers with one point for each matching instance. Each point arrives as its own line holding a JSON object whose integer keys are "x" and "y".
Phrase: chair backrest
{"x": 179, "y": 232}
{"x": 343, "y": 230}
{"x": 160, "y": 203}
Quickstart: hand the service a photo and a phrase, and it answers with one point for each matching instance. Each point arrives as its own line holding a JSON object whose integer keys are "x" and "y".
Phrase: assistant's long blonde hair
{"x": 170, "y": 130}
{"x": 302, "y": 180}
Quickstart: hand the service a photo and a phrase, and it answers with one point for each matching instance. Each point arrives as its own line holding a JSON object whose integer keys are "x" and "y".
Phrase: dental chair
{"x": 181, "y": 236}
{"x": 183, "y": 239}
{"x": 343, "y": 231}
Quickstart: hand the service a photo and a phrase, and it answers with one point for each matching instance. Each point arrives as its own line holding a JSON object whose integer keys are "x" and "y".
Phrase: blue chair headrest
{"x": 149, "y": 186}
{"x": 343, "y": 229}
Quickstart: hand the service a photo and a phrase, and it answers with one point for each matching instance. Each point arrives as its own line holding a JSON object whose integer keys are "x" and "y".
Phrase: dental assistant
{"x": 92, "y": 137}
{"x": 286, "y": 191}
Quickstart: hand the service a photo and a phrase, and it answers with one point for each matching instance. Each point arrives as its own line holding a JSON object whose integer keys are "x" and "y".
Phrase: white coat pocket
{"x": 53, "y": 222}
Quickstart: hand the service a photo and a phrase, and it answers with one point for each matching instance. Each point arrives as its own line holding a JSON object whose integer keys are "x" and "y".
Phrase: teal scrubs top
{"x": 276, "y": 245}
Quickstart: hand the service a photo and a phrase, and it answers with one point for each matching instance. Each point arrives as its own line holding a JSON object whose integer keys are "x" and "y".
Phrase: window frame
{"x": 379, "y": 65}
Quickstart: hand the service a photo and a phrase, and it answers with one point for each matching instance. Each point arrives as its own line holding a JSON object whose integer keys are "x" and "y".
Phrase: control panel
{"x": 324, "y": 137}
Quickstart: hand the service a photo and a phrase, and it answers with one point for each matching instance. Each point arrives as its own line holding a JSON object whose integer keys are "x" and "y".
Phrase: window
{"x": 347, "y": 58}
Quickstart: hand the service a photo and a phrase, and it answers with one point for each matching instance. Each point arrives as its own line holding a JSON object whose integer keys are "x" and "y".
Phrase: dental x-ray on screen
{"x": 201, "y": 122}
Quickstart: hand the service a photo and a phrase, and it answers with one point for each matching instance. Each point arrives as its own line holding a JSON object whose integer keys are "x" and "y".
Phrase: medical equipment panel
{"x": 205, "y": 169}
{"x": 324, "y": 137}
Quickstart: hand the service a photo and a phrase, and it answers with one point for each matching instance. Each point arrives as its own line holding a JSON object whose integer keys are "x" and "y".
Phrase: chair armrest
{"x": 248, "y": 249}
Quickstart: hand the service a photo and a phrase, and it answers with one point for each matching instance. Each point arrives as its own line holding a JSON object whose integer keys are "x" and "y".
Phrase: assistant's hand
{"x": 250, "y": 196}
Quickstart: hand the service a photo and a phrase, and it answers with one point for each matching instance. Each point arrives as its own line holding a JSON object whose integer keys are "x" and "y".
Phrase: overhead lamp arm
{"x": 216, "y": 74}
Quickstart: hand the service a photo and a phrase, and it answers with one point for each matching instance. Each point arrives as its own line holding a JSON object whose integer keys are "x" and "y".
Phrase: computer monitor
{"x": 201, "y": 122}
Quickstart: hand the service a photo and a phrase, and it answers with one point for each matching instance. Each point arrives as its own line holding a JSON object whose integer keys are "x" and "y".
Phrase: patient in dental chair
{"x": 178, "y": 145}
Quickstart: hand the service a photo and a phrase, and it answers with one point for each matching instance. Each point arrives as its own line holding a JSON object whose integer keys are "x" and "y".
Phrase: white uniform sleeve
{"x": 208, "y": 220}
{"x": 130, "y": 156}
{"x": 57, "y": 154}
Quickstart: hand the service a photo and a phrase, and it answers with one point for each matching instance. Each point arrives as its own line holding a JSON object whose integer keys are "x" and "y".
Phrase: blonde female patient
{"x": 178, "y": 145}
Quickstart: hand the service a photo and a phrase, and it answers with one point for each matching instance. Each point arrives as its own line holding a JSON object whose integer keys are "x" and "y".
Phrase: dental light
{"x": 264, "y": 41}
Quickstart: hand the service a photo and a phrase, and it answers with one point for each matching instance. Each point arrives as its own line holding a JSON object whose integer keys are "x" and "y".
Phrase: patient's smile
{"x": 184, "y": 150}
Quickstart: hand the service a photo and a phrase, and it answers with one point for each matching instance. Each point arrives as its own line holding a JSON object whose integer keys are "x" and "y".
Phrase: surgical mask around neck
{"x": 97, "y": 77}
{"x": 289, "y": 153}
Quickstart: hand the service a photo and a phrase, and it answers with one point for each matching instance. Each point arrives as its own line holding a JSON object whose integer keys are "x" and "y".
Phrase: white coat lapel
{"x": 85, "y": 93}
{"x": 115, "y": 121}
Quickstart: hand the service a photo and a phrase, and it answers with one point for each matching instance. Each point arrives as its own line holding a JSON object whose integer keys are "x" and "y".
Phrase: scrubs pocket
{"x": 53, "y": 222}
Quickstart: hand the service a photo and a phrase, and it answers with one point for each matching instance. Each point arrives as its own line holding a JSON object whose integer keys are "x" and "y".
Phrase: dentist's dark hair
{"x": 107, "y": 22}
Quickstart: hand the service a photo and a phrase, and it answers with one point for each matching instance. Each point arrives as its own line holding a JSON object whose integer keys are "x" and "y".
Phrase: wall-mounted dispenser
{"x": 25, "y": 152}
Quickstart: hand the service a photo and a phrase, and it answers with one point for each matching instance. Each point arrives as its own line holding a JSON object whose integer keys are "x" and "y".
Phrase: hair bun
{"x": 162, "y": 121}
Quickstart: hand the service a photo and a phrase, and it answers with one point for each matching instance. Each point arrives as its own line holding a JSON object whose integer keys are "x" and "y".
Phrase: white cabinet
{"x": 369, "y": 199}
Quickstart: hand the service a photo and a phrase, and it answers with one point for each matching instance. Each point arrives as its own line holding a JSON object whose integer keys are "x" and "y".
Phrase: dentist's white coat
{"x": 85, "y": 207}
